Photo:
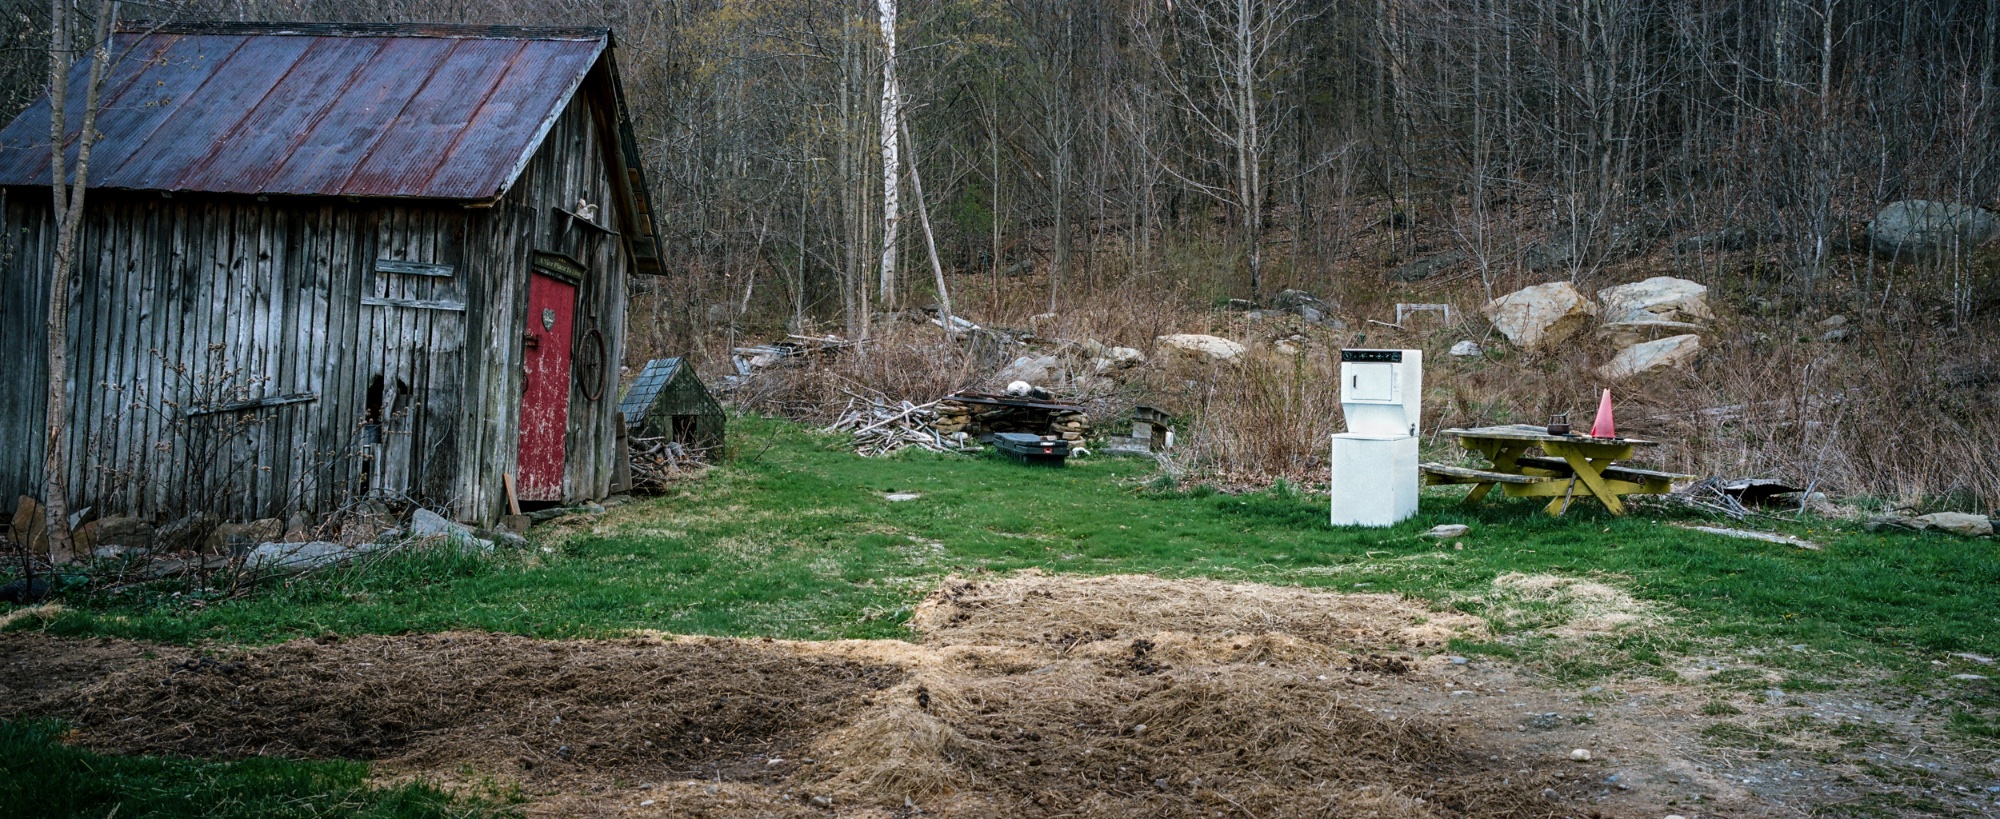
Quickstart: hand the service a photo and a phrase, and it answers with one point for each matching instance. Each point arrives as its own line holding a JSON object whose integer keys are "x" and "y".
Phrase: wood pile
{"x": 880, "y": 429}
{"x": 658, "y": 463}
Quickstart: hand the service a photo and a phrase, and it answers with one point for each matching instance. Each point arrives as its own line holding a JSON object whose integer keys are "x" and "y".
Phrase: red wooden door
{"x": 545, "y": 394}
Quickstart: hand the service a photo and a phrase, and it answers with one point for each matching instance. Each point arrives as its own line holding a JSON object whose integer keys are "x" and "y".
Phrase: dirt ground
{"x": 1029, "y": 696}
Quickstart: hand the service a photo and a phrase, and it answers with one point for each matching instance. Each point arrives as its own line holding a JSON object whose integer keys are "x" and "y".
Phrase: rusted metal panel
{"x": 371, "y": 111}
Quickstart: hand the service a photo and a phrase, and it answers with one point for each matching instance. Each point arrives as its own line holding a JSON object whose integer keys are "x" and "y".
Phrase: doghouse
{"x": 330, "y": 262}
{"x": 667, "y": 400}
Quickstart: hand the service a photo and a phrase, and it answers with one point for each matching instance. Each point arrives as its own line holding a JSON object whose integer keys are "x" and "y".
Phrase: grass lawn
{"x": 40, "y": 777}
{"x": 794, "y": 538}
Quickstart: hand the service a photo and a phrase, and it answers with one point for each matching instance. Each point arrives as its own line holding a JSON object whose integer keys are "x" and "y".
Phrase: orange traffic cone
{"x": 1604, "y": 427}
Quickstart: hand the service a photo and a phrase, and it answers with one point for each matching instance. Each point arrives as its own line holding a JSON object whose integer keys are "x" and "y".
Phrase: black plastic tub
{"x": 1034, "y": 450}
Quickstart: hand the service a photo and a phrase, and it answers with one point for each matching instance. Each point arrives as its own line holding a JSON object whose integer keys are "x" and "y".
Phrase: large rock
{"x": 229, "y": 535}
{"x": 1540, "y": 316}
{"x": 1623, "y": 334}
{"x": 1201, "y": 347}
{"x": 125, "y": 531}
{"x": 1917, "y": 228}
{"x": 426, "y": 524}
{"x": 1957, "y": 523}
{"x": 1652, "y": 355}
{"x": 1295, "y": 299}
{"x": 1034, "y": 369}
{"x": 298, "y": 557}
{"x": 1660, "y": 298}
{"x": 1118, "y": 358}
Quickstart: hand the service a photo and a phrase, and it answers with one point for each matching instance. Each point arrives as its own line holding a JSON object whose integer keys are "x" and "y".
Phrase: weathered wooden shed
{"x": 668, "y": 400}
{"x": 322, "y": 263}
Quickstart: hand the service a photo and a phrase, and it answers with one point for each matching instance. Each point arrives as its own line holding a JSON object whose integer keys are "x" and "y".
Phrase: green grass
{"x": 40, "y": 778}
{"x": 794, "y": 539}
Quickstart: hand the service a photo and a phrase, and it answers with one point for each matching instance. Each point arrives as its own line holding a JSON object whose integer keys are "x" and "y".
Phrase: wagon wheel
{"x": 590, "y": 364}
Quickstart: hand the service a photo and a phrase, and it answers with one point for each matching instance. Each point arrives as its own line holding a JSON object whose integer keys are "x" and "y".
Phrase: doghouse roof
{"x": 427, "y": 111}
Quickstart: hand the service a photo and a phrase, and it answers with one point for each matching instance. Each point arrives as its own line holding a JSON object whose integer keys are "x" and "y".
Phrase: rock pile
{"x": 955, "y": 416}
{"x": 1653, "y": 324}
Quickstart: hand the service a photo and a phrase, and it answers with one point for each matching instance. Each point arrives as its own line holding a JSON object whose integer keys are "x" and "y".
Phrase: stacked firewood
{"x": 879, "y": 429}
{"x": 658, "y": 463}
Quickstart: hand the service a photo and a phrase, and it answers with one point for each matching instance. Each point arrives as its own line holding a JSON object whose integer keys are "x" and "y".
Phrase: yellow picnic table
{"x": 1571, "y": 467}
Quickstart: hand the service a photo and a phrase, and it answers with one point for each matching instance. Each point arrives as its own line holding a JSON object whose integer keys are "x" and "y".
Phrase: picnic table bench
{"x": 1571, "y": 463}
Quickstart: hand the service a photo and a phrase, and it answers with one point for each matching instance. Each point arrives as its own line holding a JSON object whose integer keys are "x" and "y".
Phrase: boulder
{"x": 228, "y": 535}
{"x": 1540, "y": 316}
{"x": 1030, "y": 368}
{"x": 1673, "y": 351}
{"x": 1660, "y": 298}
{"x": 1295, "y": 299}
{"x": 123, "y": 530}
{"x": 189, "y": 532}
{"x": 1466, "y": 349}
{"x": 1957, "y": 523}
{"x": 1623, "y": 334}
{"x": 298, "y": 557}
{"x": 426, "y": 524}
{"x": 1919, "y": 228}
{"x": 1290, "y": 345}
{"x": 28, "y": 525}
{"x": 1118, "y": 358}
{"x": 1426, "y": 267}
{"x": 1202, "y": 348}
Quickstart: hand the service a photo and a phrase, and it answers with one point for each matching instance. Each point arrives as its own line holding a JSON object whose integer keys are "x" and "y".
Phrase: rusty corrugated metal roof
{"x": 449, "y": 112}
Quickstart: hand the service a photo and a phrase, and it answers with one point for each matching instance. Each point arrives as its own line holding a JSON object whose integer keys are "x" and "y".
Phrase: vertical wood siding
{"x": 195, "y": 302}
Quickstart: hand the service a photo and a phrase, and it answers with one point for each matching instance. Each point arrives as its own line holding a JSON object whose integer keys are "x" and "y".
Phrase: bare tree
{"x": 1217, "y": 63}
{"x": 66, "y": 23}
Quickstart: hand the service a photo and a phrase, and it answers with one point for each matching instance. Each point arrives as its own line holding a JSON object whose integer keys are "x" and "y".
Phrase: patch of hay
{"x": 1028, "y": 697}
{"x": 43, "y": 613}
{"x": 447, "y": 699}
{"x": 1565, "y": 606}
{"x": 1067, "y": 612}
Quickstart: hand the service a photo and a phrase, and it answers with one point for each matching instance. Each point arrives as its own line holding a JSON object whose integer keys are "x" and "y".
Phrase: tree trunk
{"x": 891, "y": 162}
{"x": 68, "y": 204}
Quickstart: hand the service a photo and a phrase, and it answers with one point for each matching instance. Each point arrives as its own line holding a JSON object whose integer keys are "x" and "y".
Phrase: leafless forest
{"x": 1126, "y": 166}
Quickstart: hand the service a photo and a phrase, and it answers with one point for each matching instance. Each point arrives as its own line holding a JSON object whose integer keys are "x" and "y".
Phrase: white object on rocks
{"x": 1673, "y": 351}
{"x": 1447, "y": 531}
{"x": 1660, "y": 298}
{"x": 1957, "y": 523}
{"x": 1540, "y": 316}
{"x": 1915, "y": 228}
{"x": 1209, "y": 348}
{"x": 1466, "y": 349}
{"x": 1580, "y": 755}
{"x": 1020, "y": 389}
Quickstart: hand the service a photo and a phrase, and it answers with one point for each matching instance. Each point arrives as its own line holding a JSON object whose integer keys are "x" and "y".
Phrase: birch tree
{"x": 66, "y": 24}
{"x": 891, "y": 162}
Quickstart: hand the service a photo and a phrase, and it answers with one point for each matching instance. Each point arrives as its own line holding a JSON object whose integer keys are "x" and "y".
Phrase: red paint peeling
{"x": 545, "y": 353}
